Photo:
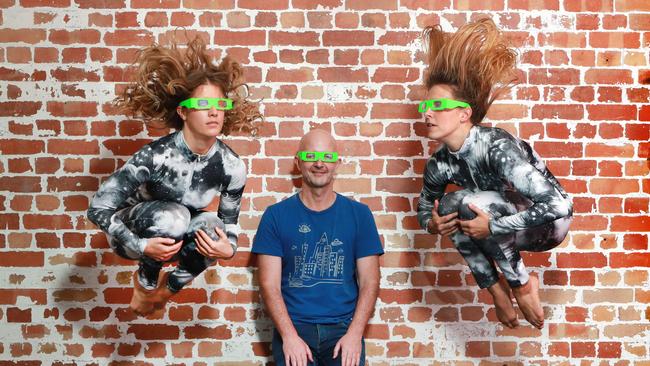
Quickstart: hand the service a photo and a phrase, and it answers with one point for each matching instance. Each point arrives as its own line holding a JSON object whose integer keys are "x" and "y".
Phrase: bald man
{"x": 318, "y": 256}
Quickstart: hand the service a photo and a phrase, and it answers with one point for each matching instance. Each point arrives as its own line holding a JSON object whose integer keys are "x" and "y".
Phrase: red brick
{"x": 125, "y": 37}
{"x": 609, "y": 350}
{"x": 614, "y": 40}
{"x": 153, "y": 331}
{"x": 477, "y": 349}
{"x": 341, "y": 110}
{"x": 628, "y": 260}
{"x": 302, "y": 74}
{"x": 348, "y": 38}
{"x": 156, "y": 19}
{"x": 589, "y": 5}
{"x": 288, "y": 110}
{"x": 449, "y": 297}
{"x": 102, "y": 350}
{"x": 200, "y": 332}
{"x": 583, "y": 349}
{"x": 101, "y": 4}
{"x": 155, "y": 350}
{"x": 83, "y": 36}
{"x": 534, "y": 5}
{"x": 306, "y": 39}
{"x": 22, "y": 259}
{"x": 210, "y": 349}
{"x": 398, "y": 148}
{"x": 558, "y": 149}
{"x": 608, "y": 112}
{"x": 209, "y": 4}
{"x": 396, "y": 75}
{"x": 342, "y": 74}
{"x": 613, "y": 186}
{"x": 19, "y": 109}
{"x": 17, "y": 315}
{"x": 560, "y": 76}
{"x": 400, "y": 259}
{"x": 394, "y": 111}
{"x": 315, "y": 4}
{"x": 397, "y": 349}
{"x": 156, "y": 4}
{"x": 581, "y": 260}
{"x": 398, "y": 38}
{"x": 63, "y": 184}
{"x": 564, "y": 111}
{"x": 483, "y": 5}
{"x": 31, "y": 36}
{"x": 240, "y": 38}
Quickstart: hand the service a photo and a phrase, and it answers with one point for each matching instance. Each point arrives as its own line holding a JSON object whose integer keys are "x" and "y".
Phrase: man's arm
{"x": 350, "y": 343}
{"x": 296, "y": 351}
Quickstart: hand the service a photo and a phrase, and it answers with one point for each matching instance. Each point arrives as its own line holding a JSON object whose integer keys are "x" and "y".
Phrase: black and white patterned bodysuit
{"x": 504, "y": 177}
{"x": 161, "y": 192}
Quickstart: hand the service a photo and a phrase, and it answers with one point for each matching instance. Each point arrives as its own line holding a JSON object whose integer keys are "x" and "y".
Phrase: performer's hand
{"x": 478, "y": 227}
{"x": 350, "y": 347}
{"x": 443, "y": 225}
{"x": 213, "y": 249}
{"x": 161, "y": 249}
{"x": 296, "y": 351}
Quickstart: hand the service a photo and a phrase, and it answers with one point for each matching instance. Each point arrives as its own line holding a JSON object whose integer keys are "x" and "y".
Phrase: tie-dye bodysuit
{"x": 504, "y": 177}
{"x": 161, "y": 191}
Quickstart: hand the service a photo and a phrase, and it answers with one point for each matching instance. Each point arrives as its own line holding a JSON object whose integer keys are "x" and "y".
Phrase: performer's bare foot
{"x": 528, "y": 301}
{"x": 142, "y": 301}
{"x": 506, "y": 312}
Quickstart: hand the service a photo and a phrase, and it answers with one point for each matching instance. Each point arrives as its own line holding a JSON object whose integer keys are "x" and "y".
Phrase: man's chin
{"x": 317, "y": 183}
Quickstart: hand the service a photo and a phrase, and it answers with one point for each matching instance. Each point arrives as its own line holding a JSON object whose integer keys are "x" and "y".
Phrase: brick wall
{"x": 353, "y": 67}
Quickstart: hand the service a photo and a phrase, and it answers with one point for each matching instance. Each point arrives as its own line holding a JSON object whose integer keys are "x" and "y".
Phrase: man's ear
{"x": 181, "y": 112}
{"x": 296, "y": 162}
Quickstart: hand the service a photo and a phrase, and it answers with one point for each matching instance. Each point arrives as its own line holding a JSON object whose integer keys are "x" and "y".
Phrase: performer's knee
{"x": 206, "y": 221}
{"x": 170, "y": 220}
{"x": 490, "y": 202}
{"x": 450, "y": 202}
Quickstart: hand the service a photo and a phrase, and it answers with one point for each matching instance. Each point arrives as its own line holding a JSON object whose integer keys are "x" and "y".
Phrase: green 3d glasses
{"x": 221, "y": 104}
{"x": 324, "y": 156}
{"x": 440, "y": 104}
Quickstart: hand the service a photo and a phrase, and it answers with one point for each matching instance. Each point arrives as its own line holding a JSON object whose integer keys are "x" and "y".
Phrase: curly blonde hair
{"x": 165, "y": 76}
{"x": 475, "y": 62}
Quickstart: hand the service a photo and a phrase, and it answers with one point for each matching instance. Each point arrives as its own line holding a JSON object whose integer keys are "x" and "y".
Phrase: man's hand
{"x": 296, "y": 351}
{"x": 478, "y": 227}
{"x": 350, "y": 347}
{"x": 161, "y": 249}
{"x": 443, "y": 225}
{"x": 213, "y": 249}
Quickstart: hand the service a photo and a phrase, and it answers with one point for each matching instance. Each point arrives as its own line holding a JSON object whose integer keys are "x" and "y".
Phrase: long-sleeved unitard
{"x": 506, "y": 178}
{"x": 161, "y": 192}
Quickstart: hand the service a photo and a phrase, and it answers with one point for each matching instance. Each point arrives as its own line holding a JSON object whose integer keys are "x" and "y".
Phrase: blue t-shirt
{"x": 319, "y": 250}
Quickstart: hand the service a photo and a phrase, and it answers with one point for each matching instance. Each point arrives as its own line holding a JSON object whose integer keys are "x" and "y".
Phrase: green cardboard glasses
{"x": 221, "y": 104}
{"x": 440, "y": 104}
{"x": 324, "y": 156}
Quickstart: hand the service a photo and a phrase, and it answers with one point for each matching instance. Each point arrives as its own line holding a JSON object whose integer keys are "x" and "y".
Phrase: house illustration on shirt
{"x": 318, "y": 264}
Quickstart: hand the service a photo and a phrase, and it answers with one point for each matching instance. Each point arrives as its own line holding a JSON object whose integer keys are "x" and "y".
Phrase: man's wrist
{"x": 355, "y": 331}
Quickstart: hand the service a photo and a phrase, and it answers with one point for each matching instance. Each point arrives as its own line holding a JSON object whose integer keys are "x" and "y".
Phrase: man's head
{"x": 318, "y": 173}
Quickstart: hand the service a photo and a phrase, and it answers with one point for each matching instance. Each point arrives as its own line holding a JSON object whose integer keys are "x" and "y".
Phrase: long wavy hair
{"x": 475, "y": 62}
{"x": 165, "y": 76}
